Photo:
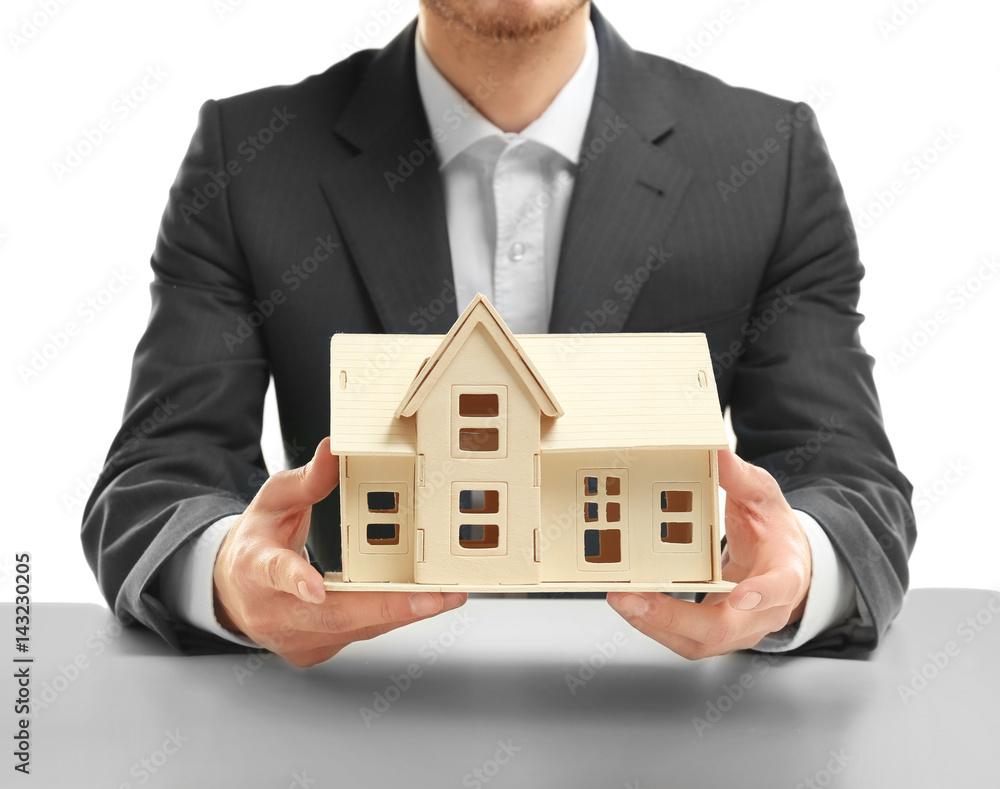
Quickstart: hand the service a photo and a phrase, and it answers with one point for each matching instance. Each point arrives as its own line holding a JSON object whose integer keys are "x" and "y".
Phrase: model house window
{"x": 602, "y": 545}
{"x": 477, "y": 536}
{"x": 473, "y": 404}
{"x": 677, "y": 532}
{"x": 382, "y": 534}
{"x": 478, "y": 511}
{"x": 674, "y": 505}
{"x": 485, "y": 501}
{"x": 383, "y": 501}
{"x": 479, "y": 421}
{"x": 383, "y": 517}
{"x": 676, "y": 511}
{"x": 602, "y": 496}
{"x": 675, "y": 501}
{"x": 478, "y": 439}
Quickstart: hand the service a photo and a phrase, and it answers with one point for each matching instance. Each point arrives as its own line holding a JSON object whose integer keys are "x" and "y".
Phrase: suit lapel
{"x": 388, "y": 199}
{"x": 625, "y": 196}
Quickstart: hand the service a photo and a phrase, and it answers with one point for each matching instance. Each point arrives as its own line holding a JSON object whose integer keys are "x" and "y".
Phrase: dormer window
{"x": 479, "y": 422}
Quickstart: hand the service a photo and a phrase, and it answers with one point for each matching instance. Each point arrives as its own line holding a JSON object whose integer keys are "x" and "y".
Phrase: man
{"x": 585, "y": 186}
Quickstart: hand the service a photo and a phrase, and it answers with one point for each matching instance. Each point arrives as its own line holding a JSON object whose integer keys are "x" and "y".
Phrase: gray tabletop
{"x": 517, "y": 692}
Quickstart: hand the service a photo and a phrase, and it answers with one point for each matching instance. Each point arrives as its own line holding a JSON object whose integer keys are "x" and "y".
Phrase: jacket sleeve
{"x": 804, "y": 405}
{"x": 188, "y": 452}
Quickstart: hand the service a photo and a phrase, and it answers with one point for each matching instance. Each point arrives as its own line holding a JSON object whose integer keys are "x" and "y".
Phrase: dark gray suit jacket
{"x": 305, "y": 210}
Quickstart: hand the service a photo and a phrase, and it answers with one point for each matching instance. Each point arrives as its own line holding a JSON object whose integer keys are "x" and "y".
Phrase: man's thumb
{"x": 745, "y": 482}
{"x": 303, "y": 486}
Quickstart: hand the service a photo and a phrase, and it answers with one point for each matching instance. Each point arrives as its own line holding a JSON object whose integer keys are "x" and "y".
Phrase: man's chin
{"x": 505, "y": 20}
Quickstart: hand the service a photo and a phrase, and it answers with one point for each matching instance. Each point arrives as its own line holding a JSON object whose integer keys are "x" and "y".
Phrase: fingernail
{"x": 423, "y": 603}
{"x": 307, "y": 596}
{"x": 749, "y": 602}
{"x": 632, "y": 605}
{"x": 453, "y": 600}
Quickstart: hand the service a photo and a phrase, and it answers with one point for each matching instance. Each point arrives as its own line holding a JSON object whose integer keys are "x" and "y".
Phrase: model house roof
{"x": 479, "y": 314}
{"x": 614, "y": 391}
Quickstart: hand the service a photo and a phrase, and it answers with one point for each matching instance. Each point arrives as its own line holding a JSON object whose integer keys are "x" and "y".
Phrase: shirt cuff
{"x": 186, "y": 582}
{"x": 832, "y": 593}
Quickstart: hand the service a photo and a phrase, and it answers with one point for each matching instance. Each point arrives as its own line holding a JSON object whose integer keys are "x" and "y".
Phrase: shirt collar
{"x": 456, "y": 124}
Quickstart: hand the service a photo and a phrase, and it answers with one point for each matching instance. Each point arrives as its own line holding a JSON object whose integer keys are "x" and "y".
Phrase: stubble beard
{"x": 510, "y": 20}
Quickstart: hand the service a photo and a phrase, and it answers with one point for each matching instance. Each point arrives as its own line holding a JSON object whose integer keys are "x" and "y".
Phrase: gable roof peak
{"x": 479, "y": 313}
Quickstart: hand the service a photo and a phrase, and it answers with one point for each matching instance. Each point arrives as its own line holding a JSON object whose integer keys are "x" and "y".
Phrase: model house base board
{"x": 334, "y": 582}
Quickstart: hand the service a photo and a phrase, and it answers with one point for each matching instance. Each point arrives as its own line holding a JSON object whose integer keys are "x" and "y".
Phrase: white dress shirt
{"x": 506, "y": 199}
{"x": 507, "y": 195}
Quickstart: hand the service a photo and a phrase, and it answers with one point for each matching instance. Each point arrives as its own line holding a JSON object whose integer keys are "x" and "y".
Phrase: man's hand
{"x": 266, "y": 590}
{"x": 769, "y": 559}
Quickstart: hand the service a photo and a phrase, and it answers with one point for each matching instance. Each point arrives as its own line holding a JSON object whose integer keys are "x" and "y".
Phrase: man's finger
{"x": 689, "y": 629}
{"x": 745, "y": 483}
{"x": 312, "y": 657}
{"x": 305, "y": 647}
{"x": 286, "y": 571}
{"x": 345, "y": 612}
{"x": 313, "y": 648}
{"x": 303, "y": 486}
{"x": 777, "y": 587}
{"x": 371, "y": 631}
{"x": 645, "y": 624}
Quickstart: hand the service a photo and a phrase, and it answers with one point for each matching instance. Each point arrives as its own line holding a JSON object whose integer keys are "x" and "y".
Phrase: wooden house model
{"x": 480, "y": 461}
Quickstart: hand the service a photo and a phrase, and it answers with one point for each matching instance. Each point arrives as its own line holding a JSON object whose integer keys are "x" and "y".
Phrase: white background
{"x": 887, "y": 84}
